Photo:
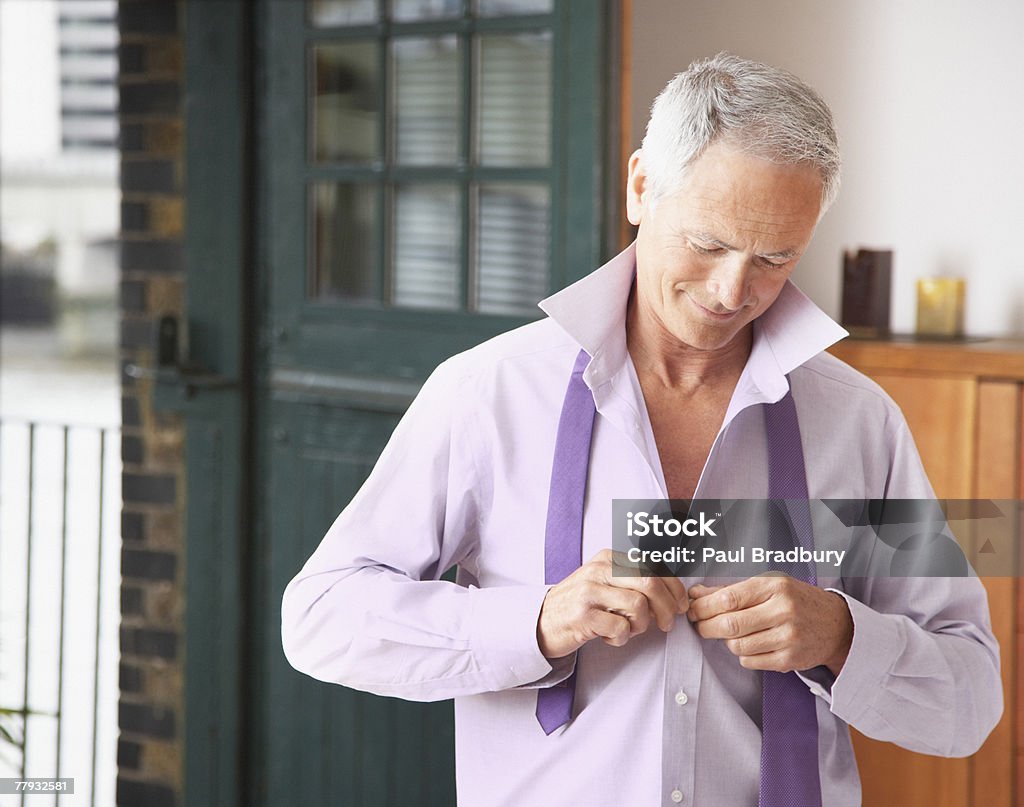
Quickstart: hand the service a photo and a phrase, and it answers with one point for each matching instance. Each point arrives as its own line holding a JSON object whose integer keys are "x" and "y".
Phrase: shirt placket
{"x": 684, "y": 663}
{"x": 619, "y": 400}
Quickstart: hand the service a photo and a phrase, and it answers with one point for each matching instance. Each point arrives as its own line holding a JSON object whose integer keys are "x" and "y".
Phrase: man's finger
{"x": 734, "y": 624}
{"x": 679, "y": 593}
{"x": 632, "y": 605}
{"x": 696, "y": 591}
{"x": 662, "y": 599}
{"x": 765, "y": 641}
{"x": 736, "y": 597}
{"x": 614, "y": 629}
{"x": 622, "y": 567}
{"x": 779, "y": 661}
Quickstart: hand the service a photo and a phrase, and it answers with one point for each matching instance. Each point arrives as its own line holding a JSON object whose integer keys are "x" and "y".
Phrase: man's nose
{"x": 730, "y": 282}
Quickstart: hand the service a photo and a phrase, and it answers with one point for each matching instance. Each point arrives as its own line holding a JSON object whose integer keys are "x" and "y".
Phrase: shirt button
{"x": 677, "y": 796}
{"x": 681, "y": 698}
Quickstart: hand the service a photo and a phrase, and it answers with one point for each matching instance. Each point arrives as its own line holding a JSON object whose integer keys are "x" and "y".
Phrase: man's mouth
{"x": 715, "y": 315}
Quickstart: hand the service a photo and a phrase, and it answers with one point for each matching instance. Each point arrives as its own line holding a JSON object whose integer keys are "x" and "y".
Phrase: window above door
{"x": 428, "y": 170}
{"x": 429, "y": 153}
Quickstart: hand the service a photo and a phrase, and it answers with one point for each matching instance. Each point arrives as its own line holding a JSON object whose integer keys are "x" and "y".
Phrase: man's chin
{"x": 707, "y": 338}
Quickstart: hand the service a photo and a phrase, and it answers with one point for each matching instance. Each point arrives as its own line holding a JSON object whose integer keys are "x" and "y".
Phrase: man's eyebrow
{"x": 706, "y": 238}
{"x": 786, "y": 254}
{"x": 710, "y": 239}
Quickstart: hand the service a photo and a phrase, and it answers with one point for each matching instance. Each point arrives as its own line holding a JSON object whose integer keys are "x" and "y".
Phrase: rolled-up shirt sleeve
{"x": 369, "y": 610}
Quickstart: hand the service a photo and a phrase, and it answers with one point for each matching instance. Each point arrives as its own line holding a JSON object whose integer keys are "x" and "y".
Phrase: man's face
{"x": 714, "y": 256}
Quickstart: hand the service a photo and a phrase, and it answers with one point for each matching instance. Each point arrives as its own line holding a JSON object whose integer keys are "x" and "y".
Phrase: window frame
{"x": 332, "y": 333}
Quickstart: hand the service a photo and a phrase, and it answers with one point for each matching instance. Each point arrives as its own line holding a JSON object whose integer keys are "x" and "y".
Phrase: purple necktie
{"x": 563, "y": 534}
{"x": 789, "y": 748}
{"x": 789, "y": 721}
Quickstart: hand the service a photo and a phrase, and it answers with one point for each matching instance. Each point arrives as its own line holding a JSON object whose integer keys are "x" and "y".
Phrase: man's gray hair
{"x": 759, "y": 109}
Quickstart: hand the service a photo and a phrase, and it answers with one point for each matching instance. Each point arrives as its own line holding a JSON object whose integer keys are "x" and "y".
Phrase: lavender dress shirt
{"x": 669, "y": 718}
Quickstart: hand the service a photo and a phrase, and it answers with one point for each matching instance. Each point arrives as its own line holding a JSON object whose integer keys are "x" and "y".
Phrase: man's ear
{"x": 637, "y": 195}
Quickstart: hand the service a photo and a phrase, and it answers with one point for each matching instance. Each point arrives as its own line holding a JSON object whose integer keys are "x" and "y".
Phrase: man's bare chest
{"x": 684, "y": 432}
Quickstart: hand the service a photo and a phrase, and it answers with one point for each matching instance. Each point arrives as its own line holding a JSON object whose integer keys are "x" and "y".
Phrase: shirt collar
{"x": 592, "y": 311}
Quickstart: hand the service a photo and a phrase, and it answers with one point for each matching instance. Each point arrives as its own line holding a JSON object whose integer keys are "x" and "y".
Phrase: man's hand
{"x": 775, "y": 622}
{"x": 592, "y": 603}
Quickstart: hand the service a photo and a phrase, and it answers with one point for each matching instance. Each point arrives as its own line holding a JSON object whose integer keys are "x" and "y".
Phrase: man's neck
{"x": 660, "y": 356}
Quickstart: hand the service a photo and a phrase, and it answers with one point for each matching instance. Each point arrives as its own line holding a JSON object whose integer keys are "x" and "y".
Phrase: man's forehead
{"x": 770, "y": 238}
{"x": 726, "y": 187}
{"x": 774, "y": 208}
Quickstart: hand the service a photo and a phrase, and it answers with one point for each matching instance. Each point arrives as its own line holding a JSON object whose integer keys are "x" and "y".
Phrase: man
{"x": 689, "y": 338}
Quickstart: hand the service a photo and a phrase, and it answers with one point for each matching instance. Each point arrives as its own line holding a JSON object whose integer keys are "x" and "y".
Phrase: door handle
{"x": 172, "y": 374}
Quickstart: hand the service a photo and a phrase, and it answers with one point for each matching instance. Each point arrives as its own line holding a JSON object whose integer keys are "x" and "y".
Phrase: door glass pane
{"x": 343, "y": 12}
{"x": 405, "y": 10}
{"x": 428, "y": 100}
{"x": 346, "y": 101}
{"x": 345, "y": 227}
{"x": 514, "y": 100}
{"x": 427, "y": 227}
{"x": 496, "y": 8}
{"x": 512, "y": 238}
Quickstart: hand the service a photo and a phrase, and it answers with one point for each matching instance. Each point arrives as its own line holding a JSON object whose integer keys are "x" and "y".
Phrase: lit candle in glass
{"x": 940, "y": 306}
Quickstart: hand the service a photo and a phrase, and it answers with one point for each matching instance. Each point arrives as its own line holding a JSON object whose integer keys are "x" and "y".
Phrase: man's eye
{"x": 706, "y": 250}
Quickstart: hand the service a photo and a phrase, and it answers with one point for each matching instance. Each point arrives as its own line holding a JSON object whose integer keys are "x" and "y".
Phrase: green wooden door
{"x": 423, "y": 172}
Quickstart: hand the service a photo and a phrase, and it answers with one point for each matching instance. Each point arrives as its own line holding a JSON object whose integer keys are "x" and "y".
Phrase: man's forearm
{"x": 424, "y": 640}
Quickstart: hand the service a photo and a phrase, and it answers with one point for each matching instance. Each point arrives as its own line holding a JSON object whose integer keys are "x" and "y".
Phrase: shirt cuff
{"x": 503, "y": 635}
{"x": 877, "y": 644}
{"x": 561, "y": 669}
{"x": 819, "y": 680}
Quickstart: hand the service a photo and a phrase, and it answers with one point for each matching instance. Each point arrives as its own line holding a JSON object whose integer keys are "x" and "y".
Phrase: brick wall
{"x": 151, "y": 710}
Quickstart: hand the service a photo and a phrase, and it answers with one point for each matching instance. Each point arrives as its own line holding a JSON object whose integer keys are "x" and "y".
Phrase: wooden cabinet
{"x": 963, "y": 403}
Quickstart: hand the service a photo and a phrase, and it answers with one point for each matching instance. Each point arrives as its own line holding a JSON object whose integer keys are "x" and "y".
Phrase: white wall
{"x": 29, "y": 81}
{"x": 928, "y": 97}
